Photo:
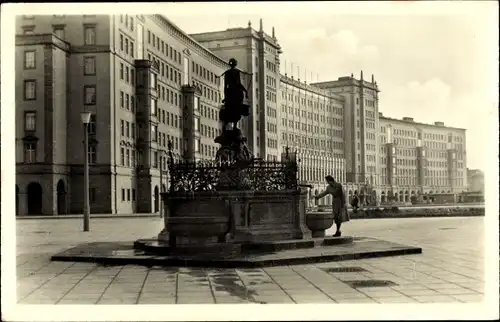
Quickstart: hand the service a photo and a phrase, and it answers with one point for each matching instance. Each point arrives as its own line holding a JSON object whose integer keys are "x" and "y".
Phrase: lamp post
{"x": 163, "y": 154}
{"x": 86, "y": 202}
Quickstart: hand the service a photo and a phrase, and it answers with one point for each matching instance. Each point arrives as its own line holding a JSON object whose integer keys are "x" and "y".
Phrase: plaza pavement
{"x": 451, "y": 268}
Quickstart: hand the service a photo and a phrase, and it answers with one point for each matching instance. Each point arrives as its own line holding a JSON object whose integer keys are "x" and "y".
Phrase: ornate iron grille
{"x": 259, "y": 175}
{"x": 189, "y": 176}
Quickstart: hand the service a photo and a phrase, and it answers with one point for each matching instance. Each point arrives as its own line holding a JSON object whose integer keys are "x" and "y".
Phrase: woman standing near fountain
{"x": 338, "y": 202}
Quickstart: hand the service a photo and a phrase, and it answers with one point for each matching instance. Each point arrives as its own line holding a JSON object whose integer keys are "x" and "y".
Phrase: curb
{"x": 150, "y": 261}
{"x": 101, "y": 216}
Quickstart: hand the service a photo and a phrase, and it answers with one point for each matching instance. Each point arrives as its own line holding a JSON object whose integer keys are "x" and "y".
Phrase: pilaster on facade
{"x": 191, "y": 116}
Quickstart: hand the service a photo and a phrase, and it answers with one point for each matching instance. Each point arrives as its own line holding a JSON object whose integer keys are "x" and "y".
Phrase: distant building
{"x": 146, "y": 83}
{"x": 420, "y": 160}
{"x": 475, "y": 180}
{"x": 257, "y": 53}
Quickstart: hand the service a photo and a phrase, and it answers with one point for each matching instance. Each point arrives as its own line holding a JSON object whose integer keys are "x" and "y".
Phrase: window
{"x": 123, "y": 194}
{"x": 196, "y": 124}
{"x": 59, "y": 32}
{"x": 155, "y": 159}
{"x": 121, "y": 70}
{"x": 91, "y": 129}
{"x": 89, "y": 32}
{"x": 30, "y": 121}
{"x": 154, "y": 133}
{"x": 197, "y": 145}
{"x": 89, "y": 65}
{"x": 186, "y": 71}
{"x": 154, "y": 107}
{"x": 140, "y": 53}
{"x": 122, "y": 156}
{"x": 29, "y": 90}
{"x": 154, "y": 83}
{"x": 128, "y": 194}
{"x": 29, "y": 30}
{"x": 29, "y": 59}
{"x": 196, "y": 103}
{"x": 89, "y": 94}
{"x": 30, "y": 152}
{"x": 92, "y": 154}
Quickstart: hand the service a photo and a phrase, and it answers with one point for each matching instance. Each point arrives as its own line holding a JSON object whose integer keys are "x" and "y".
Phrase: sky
{"x": 431, "y": 64}
{"x": 432, "y": 60}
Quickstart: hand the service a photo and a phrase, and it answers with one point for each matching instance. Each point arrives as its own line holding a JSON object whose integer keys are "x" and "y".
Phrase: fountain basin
{"x": 318, "y": 223}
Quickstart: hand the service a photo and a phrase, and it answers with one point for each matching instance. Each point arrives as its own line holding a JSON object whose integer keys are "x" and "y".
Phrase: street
{"x": 451, "y": 268}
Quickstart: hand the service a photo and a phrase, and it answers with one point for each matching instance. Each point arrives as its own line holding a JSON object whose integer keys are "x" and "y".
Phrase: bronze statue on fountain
{"x": 233, "y": 145}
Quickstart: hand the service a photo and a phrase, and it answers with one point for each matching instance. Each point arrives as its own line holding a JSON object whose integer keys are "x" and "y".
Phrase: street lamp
{"x": 86, "y": 203}
{"x": 163, "y": 154}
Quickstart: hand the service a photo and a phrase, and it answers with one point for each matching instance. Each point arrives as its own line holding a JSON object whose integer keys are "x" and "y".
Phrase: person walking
{"x": 355, "y": 202}
{"x": 338, "y": 202}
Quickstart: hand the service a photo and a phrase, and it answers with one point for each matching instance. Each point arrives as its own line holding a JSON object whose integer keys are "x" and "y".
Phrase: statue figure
{"x": 234, "y": 93}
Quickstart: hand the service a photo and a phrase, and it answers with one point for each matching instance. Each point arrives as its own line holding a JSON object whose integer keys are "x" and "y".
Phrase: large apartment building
{"x": 312, "y": 126}
{"x": 418, "y": 159}
{"x": 145, "y": 82}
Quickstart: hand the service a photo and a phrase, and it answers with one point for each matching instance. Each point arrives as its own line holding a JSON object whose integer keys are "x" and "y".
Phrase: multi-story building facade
{"x": 145, "y": 82}
{"x": 312, "y": 126}
{"x": 360, "y": 125}
{"x": 420, "y": 160}
{"x": 257, "y": 53}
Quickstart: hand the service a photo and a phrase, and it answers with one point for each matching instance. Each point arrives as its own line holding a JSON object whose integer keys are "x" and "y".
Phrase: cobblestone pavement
{"x": 450, "y": 269}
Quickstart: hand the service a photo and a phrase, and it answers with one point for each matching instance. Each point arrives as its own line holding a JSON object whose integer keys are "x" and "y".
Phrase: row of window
{"x": 271, "y": 112}
{"x": 89, "y": 32}
{"x": 270, "y": 81}
{"x": 166, "y": 71}
{"x": 208, "y": 93}
{"x": 311, "y": 115}
{"x": 169, "y": 118}
{"x": 169, "y": 95}
{"x": 161, "y": 46}
{"x": 209, "y": 131}
{"x": 313, "y": 142}
{"x": 204, "y": 73}
{"x": 290, "y": 98}
{"x": 30, "y": 152}
{"x": 271, "y": 127}
{"x": 127, "y": 45}
{"x": 126, "y": 195}
{"x": 209, "y": 112}
{"x": 272, "y": 143}
{"x": 128, "y": 129}
{"x": 128, "y": 21}
{"x": 127, "y": 101}
{"x": 30, "y": 90}
{"x": 208, "y": 150}
{"x": 271, "y": 66}
{"x": 127, "y": 74}
{"x": 270, "y": 96}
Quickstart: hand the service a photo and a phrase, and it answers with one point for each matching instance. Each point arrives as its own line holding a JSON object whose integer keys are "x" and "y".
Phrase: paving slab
{"x": 454, "y": 256}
